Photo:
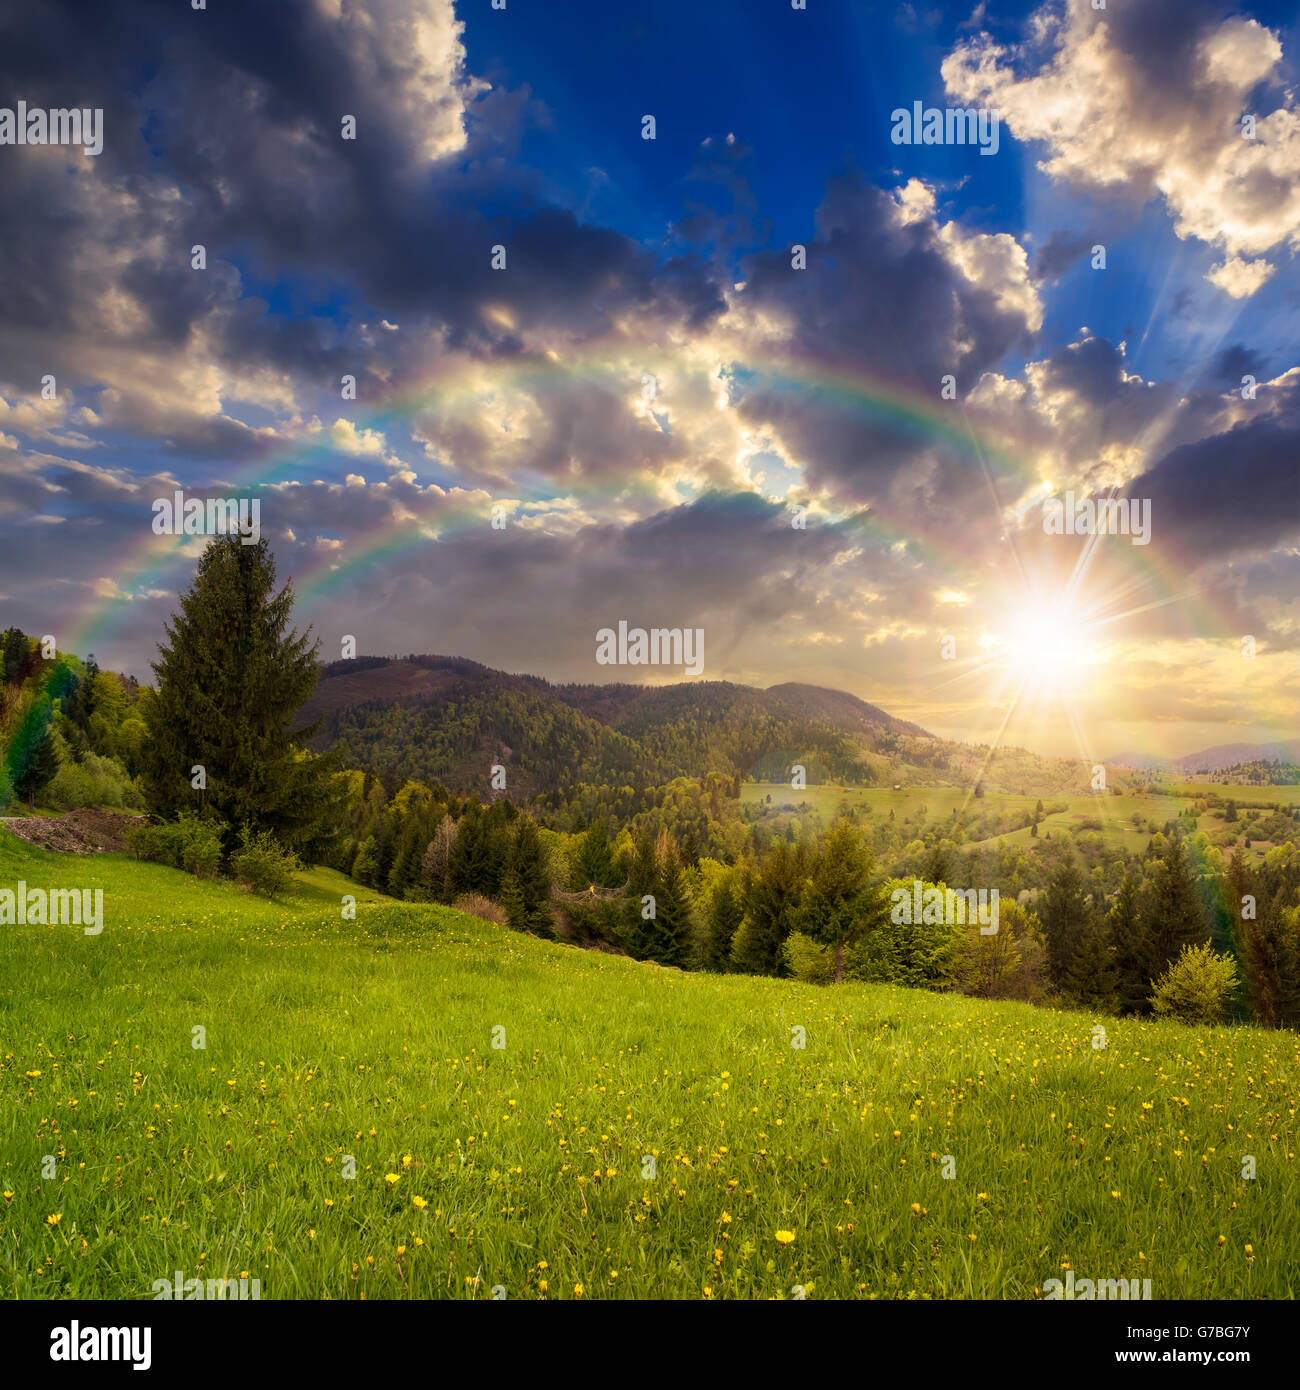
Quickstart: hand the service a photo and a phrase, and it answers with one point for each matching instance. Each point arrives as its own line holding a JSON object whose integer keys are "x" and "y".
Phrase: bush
{"x": 1197, "y": 987}
{"x": 808, "y": 960}
{"x": 261, "y": 864}
{"x": 189, "y": 842}
{"x": 476, "y": 905}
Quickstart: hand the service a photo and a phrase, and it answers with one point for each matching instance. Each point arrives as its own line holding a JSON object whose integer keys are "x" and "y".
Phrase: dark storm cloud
{"x": 879, "y": 290}
{"x": 1230, "y": 493}
{"x": 224, "y": 130}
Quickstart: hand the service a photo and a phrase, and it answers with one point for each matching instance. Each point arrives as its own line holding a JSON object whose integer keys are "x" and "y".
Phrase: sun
{"x": 1047, "y": 646}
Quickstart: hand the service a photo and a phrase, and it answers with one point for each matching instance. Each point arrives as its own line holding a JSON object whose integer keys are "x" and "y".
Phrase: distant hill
{"x": 1216, "y": 759}
{"x": 448, "y": 719}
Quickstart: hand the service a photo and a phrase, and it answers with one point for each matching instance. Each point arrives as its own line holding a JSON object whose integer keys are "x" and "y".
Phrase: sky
{"x": 771, "y": 374}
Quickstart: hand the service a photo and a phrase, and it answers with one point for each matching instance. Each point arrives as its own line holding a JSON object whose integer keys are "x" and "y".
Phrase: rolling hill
{"x": 446, "y": 719}
{"x": 449, "y": 720}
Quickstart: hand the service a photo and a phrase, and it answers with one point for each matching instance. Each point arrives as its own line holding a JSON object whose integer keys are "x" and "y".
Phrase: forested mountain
{"x": 448, "y": 720}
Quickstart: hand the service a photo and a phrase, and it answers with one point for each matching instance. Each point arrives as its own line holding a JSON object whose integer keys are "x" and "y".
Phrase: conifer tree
{"x": 231, "y": 680}
{"x": 1172, "y": 907}
{"x": 34, "y": 760}
{"x": 1063, "y": 912}
{"x": 770, "y": 895}
{"x": 839, "y": 904}
{"x": 668, "y": 934}
{"x": 526, "y": 889}
{"x": 721, "y": 921}
{"x": 595, "y": 862}
{"x": 1091, "y": 977}
{"x": 1133, "y": 956}
{"x": 363, "y": 866}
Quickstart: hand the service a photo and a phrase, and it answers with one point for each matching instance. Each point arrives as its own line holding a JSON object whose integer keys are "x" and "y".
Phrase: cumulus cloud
{"x": 1149, "y": 99}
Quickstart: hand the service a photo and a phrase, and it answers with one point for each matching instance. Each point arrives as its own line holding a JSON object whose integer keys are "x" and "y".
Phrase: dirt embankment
{"x": 77, "y": 832}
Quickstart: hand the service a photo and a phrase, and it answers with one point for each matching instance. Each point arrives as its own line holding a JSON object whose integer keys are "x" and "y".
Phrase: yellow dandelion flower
{"x": 785, "y": 1237}
{"x": 419, "y": 1203}
{"x": 54, "y": 1220}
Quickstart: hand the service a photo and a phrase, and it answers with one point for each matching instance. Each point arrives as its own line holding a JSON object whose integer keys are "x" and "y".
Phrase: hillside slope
{"x": 525, "y": 1165}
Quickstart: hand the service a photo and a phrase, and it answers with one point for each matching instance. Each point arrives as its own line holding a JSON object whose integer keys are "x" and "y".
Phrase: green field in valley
{"x": 1115, "y": 812}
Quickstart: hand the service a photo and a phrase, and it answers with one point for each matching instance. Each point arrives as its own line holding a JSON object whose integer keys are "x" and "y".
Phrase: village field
{"x": 1115, "y": 812}
{"x": 530, "y": 1120}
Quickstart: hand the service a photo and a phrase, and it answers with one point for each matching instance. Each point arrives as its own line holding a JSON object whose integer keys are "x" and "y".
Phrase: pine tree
{"x": 1091, "y": 978}
{"x": 840, "y": 905}
{"x": 1133, "y": 951}
{"x": 1172, "y": 907}
{"x": 363, "y": 866}
{"x": 769, "y": 895}
{"x": 595, "y": 862}
{"x": 638, "y": 929}
{"x": 230, "y": 683}
{"x": 1063, "y": 912}
{"x": 721, "y": 921}
{"x": 34, "y": 761}
{"x": 526, "y": 890}
{"x": 16, "y": 652}
{"x": 1270, "y": 959}
{"x": 668, "y": 933}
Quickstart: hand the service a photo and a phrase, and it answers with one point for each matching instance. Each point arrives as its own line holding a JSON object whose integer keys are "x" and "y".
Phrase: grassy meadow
{"x": 524, "y": 1167}
{"x": 1114, "y": 812}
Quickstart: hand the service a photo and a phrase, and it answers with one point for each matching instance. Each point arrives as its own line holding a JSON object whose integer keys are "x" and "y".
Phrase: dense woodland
{"x": 633, "y": 835}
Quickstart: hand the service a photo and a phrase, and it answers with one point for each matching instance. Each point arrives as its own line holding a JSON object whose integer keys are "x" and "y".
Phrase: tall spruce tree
{"x": 1063, "y": 912}
{"x": 526, "y": 888}
{"x": 721, "y": 921}
{"x": 1133, "y": 958}
{"x": 34, "y": 760}
{"x": 770, "y": 896}
{"x": 1091, "y": 977}
{"x": 231, "y": 680}
{"x": 840, "y": 904}
{"x": 1172, "y": 907}
{"x": 668, "y": 933}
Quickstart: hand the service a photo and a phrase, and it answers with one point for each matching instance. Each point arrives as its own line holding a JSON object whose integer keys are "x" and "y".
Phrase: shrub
{"x": 148, "y": 842}
{"x": 261, "y": 864}
{"x": 476, "y": 905}
{"x": 1197, "y": 987}
{"x": 808, "y": 960}
{"x": 189, "y": 842}
{"x": 199, "y": 844}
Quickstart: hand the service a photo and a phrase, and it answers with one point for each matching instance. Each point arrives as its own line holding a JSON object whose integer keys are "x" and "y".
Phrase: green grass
{"x": 373, "y": 1038}
{"x": 1114, "y": 812}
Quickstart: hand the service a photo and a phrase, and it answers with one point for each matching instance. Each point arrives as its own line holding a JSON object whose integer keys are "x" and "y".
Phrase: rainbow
{"x": 881, "y": 397}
